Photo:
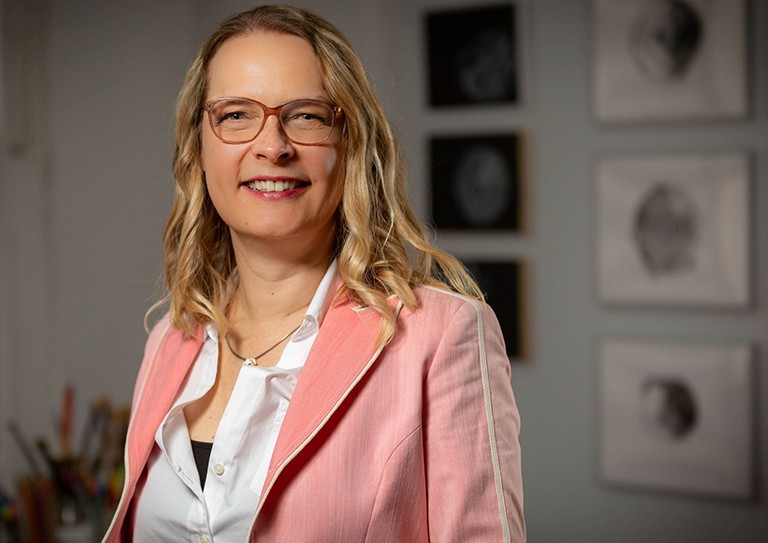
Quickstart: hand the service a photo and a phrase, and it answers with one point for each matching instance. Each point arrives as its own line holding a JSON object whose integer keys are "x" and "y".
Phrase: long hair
{"x": 382, "y": 249}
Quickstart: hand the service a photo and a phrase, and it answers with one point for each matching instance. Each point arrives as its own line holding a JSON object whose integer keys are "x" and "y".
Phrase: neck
{"x": 276, "y": 283}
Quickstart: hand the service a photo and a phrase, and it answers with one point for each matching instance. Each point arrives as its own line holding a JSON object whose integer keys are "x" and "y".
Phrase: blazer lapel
{"x": 344, "y": 350}
{"x": 161, "y": 384}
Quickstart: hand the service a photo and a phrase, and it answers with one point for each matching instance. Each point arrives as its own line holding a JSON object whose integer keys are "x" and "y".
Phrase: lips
{"x": 274, "y": 185}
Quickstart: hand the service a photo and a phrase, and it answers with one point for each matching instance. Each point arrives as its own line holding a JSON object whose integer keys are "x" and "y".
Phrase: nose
{"x": 272, "y": 144}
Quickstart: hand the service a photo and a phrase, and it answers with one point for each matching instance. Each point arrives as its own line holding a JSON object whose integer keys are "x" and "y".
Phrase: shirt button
{"x": 202, "y": 539}
{"x": 218, "y": 469}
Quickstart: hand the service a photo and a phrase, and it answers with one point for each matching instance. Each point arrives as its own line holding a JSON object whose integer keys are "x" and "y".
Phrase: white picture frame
{"x": 673, "y": 230}
{"x": 657, "y": 60}
{"x": 677, "y": 417}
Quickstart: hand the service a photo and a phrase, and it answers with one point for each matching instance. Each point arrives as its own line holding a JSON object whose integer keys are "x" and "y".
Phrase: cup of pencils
{"x": 69, "y": 500}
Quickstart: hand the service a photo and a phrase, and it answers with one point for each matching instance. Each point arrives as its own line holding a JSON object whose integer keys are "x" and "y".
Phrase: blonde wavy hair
{"x": 382, "y": 249}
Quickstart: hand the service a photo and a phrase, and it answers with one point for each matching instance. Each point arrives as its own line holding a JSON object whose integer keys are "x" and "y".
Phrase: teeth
{"x": 272, "y": 186}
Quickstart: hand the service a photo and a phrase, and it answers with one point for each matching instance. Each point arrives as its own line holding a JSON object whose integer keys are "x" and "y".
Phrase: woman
{"x": 324, "y": 374}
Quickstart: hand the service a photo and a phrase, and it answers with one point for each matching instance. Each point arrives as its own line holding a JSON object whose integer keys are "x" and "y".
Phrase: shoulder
{"x": 164, "y": 330}
{"x": 435, "y": 302}
{"x": 158, "y": 333}
{"x": 165, "y": 339}
{"x": 441, "y": 312}
{"x": 168, "y": 349}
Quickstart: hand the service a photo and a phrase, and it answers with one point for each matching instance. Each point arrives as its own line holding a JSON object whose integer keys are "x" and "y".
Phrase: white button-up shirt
{"x": 170, "y": 505}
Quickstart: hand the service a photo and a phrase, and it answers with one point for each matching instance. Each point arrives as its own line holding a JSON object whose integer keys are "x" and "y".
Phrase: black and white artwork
{"x": 502, "y": 283}
{"x": 475, "y": 182}
{"x": 669, "y": 59}
{"x": 677, "y": 417}
{"x": 472, "y": 56}
{"x": 673, "y": 230}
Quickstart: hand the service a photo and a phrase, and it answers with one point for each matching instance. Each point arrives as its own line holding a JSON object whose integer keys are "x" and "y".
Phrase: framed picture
{"x": 674, "y": 230}
{"x": 472, "y": 56}
{"x": 677, "y": 417}
{"x": 503, "y": 284}
{"x": 662, "y": 60}
{"x": 476, "y": 182}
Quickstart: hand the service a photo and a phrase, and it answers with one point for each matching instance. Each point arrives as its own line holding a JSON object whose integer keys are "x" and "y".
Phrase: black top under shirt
{"x": 202, "y": 453}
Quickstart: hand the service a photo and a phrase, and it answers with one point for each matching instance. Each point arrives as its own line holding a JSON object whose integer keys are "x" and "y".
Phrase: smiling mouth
{"x": 274, "y": 186}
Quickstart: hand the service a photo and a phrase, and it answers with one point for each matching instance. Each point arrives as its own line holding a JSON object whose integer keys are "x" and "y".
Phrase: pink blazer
{"x": 414, "y": 442}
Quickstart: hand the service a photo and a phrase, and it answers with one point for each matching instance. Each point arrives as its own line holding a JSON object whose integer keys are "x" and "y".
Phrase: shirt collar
{"x": 317, "y": 309}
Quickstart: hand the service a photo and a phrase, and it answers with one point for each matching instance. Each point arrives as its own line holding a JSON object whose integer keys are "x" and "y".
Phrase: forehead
{"x": 266, "y": 66}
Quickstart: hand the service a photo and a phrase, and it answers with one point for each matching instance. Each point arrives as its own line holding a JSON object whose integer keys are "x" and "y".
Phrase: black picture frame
{"x": 476, "y": 182}
{"x": 503, "y": 284}
{"x": 472, "y": 55}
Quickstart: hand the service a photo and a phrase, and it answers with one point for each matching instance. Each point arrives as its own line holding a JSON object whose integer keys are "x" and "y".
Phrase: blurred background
{"x": 86, "y": 134}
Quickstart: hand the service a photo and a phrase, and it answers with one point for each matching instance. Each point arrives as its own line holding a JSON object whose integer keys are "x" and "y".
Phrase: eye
{"x": 233, "y": 117}
{"x": 308, "y": 116}
{"x": 235, "y": 114}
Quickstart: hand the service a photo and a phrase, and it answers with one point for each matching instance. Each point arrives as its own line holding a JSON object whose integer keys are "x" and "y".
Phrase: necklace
{"x": 253, "y": 360}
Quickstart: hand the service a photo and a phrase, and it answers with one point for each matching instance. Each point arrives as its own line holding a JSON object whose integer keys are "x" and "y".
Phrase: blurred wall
{"x": 557, "y": 391}
{"x": 90, "y": 88}
{"x": 82, "y": 209}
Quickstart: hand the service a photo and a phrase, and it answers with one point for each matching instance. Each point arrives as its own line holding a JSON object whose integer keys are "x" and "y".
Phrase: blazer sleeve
{"x": 471, "y": 428}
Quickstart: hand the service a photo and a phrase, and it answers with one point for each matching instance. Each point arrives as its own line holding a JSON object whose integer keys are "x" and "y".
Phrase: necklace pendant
{"x": 250, "y": 362}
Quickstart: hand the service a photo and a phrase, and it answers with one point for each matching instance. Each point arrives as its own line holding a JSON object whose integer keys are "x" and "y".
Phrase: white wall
{"x": 557, "y": 390}
{"x": 83, "y": 205}
{"x": 114, "y": 69}
{"x": 82, "y": 225}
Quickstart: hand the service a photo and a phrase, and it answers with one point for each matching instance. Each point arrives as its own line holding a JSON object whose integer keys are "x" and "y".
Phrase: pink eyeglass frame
{"x": 268, "y": 112}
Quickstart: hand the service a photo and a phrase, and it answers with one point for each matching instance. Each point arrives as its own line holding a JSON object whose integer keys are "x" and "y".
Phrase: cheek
{"x": 215, "y": 155}
{"x": 336, "y": 183}
{"x": 339, "y": 175}
{"x": 213, "y": 161}
{"x": 218, "y": 160}
{"x": 331, "y": 165}
{"x": 207, "y": 150}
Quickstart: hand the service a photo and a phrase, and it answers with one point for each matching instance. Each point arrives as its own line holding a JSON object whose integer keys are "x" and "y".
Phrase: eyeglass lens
{"x": 303, "y": 121}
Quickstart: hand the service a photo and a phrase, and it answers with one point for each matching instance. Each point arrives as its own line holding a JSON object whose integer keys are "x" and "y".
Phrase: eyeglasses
{"x": 240, "y": 120}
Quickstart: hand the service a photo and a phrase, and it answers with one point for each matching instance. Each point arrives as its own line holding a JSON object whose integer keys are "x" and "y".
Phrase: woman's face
{"x": 271, "y": 189}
